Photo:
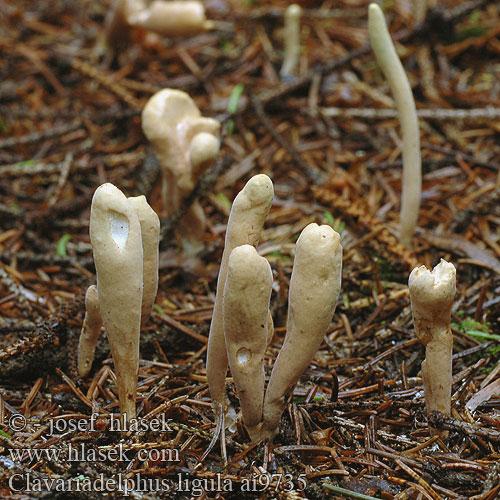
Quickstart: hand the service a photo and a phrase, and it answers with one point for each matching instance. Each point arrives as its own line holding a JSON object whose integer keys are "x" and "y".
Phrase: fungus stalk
{"x": 394, "y": 72}
{"x": 246, "y": 312}
{"x": 150, "y": 236}
{"x": 432, "y": 295}
{"x": 314, "y": 290}
{"x": 92, "y": 324}
{"x": 291, "y": 35}
{"x": 246, "y": 220}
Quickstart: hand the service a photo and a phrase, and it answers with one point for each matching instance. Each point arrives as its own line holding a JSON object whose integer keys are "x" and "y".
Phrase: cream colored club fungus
{"x": 185, "y": 144}
{"x": 241, "y": 325}
{"x": 172, "y": 18}
{"x": 394, "y": 72}
{"x": 126, "y": 261}
{"x": 432, "y": 294}
{"x": 167, "y": 18}
{"x": 150, "y": 235}
{"x": 314, "y": 290}
{"x": 92, "y": 324}
{"x": 245, "y": 310}
{"x": 246, "y": 220}
{"x": 291, "y": 35}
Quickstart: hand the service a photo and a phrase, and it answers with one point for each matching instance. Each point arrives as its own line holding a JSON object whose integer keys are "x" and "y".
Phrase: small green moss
{"x": 232, "y": 105}
{"x": 329, "y": 219}
{"x": 27, "y": 163}
{"x": 3, "y": 125}
{"x": 62, "y": 244}
{"x": 224, "y": 200}
{"x": 283, "y": 258}
{"x": 475, "y": 329}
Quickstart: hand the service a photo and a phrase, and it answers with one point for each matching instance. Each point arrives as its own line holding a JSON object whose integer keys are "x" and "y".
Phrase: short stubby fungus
{"x": 172, "y": 18}
{"x": 432, "y": 294}
{"x": 91, "y": 329}
{"x": 168, "y": 18}
{"x": 185, "y": 144}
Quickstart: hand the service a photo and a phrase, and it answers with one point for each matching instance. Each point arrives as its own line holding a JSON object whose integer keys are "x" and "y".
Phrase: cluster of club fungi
{"x": 124, "y": 234}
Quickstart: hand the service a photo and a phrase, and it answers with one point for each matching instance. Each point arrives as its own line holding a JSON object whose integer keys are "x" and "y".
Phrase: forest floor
{"x": 330, "y": 140}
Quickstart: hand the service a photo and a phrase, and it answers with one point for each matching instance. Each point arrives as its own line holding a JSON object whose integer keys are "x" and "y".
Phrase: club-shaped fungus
{"x": 185, "y": 144}
{"x": 394, "y": 72}
{"x": 245, "y": 309}
{"x": 314, "y": 290}
{"x": 246, "y": 220}
{"x": 291, "y": 36}
{"x": 124, "y": 233}
{"x": 432, "y": 294}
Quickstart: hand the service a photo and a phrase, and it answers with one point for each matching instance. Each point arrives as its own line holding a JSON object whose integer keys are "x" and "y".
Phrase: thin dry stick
{"x": 306, "y": 168}
{"x": 107, "y": 81}
{"x": 489, "y": 113}
{"x": 65, "y": 168}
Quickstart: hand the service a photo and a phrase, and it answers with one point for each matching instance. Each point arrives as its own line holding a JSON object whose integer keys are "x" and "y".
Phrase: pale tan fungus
{"x": 179, "y": 135}
{"x": 291, "y": 35}
{"x": 394, "y": 72}
{"x": 314, "y": 290}
{"x": 246, "y": 220}
{"x": 150, "y": 233}
{"x": 115, "y": 235}
{"x": 91, "y": 329}
{"x": 172, "y": 18}
{"x": 245, "y": 310}
{"x": 432, "y": 295}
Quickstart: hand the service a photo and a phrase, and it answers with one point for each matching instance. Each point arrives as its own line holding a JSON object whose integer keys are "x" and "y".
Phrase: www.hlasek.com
{"x": 83, "y": 453}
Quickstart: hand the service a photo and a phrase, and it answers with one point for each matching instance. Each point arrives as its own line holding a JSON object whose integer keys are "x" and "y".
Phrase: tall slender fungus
{"x": 115, "y": 235}
{"x": 291, "y": 35}
{"x": 394, "y": 72}
{"x": 432, "y": 294}
{"x": 246, "y": 220}
{"x": 150, "y": 234}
